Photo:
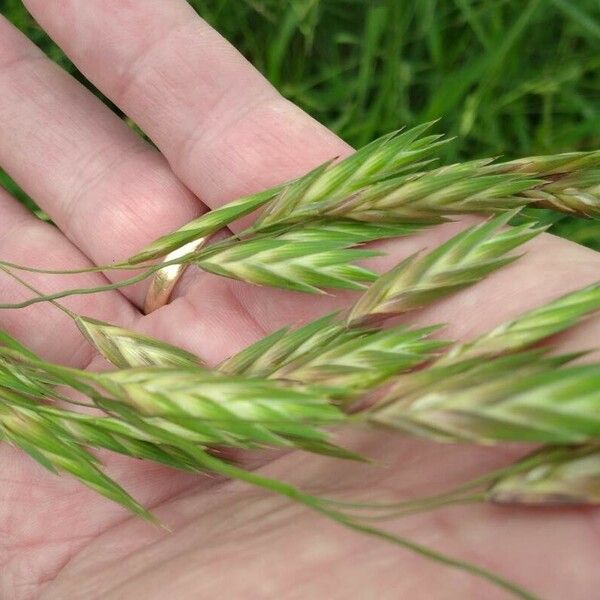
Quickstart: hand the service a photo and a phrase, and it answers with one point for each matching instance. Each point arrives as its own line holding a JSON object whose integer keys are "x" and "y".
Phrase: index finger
{"x": 223, "y": 128}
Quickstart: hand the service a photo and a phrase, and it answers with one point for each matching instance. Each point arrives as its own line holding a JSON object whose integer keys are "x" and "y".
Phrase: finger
{"x": 221, "y": 125}
{"x": 108, "y": 190}
{"x": 44, "y": 328}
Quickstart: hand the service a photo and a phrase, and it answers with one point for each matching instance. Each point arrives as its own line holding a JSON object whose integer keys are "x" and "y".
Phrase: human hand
{"x": 223, "y": 132}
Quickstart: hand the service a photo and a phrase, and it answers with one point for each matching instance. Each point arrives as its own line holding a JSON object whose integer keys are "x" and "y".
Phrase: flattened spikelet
{"x": 521, "y": 397}
{"x": 557, "y": 478}
{"x": 125, "y": 348}
{"x": 461, "y": 261}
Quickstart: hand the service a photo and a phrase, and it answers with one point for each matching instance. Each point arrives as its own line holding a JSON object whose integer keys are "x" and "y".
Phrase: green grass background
{"x": 507, "y": 77}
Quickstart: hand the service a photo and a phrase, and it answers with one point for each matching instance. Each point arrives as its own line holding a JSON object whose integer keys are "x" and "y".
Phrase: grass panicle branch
{"x": 304, "y": 239}
{"x": 382, "y": 183}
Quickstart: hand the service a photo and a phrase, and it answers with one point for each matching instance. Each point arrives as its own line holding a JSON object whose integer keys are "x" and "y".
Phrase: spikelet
{"x": 328, "y": 353}
{"x": 571, "y": 181}
{"x": 125, "y": 348}
{"x": 55, "y": 448}
{"x": 212, "y": 409}
{"x": 531, "y": 327}
{"x": 461, "y": 261}
{"x": 392, "y": 153}
{"x": 520, "y": 397}
{"x": 289, "y": 263}
{"x": 557, "y": 477}
{"x": 364, "y": 359}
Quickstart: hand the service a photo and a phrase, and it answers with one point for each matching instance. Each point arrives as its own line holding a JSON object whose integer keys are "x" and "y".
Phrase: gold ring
{"x": 164, "y": 280}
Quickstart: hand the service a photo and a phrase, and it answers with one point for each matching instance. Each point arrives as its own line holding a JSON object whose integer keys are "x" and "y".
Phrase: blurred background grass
{"x": 507, "y": 77}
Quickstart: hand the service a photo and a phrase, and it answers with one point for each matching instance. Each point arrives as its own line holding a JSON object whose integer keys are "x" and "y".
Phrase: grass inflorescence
{"x": 298, "y": 389}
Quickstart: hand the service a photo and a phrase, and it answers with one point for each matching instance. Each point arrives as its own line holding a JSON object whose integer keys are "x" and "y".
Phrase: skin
{"x": 222, "y": 131}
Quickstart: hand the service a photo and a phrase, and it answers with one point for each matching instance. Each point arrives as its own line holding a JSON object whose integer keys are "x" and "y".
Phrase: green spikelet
{"x": 285, "y": 262}
{"x": 56, "y": 449}
{"x": 363, "y": 358}
{"x": 520, "y": 397}
{"x": 392, "y": 153}
{"x": 125, "y": 348}
{"x": 571, "y": 181}
{"x": 558, "y": 477}
{"x": 531, "y": 327}
{"x": 268, "y": 354}
{"x": 215, "y": 409}
{"x": 334, "y": 184}
{"x": 461, "y": 261}
{"x": 327, "y": 353}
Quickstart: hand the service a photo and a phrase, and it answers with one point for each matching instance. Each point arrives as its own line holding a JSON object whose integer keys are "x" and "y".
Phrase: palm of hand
{"x": 225, "y": 132}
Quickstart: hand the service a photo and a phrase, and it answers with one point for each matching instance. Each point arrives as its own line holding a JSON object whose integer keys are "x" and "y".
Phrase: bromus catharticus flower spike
{"x": 286, "y": 262}
{"x": 524, "y": 397}
{"x": 277, "y": 349}
{"x": 550, "y": 476}
{"x": 305, "y": 259}
{"x": 362, "y": 359}
{"x": 558, "y": 477}
{"x": 392, "y": 153}
{"x": 571, "y": 181}
{"x": 160, "y": 437}
{"x": 116, "y": 435}
{"x": 530, "y": 327}
{"x": 515, "y": 335}
{"x": 50, "y": 444}
{"x": 461, "y": 261}
{"x": 125, "y": 348}
{"x": 210, "y": 409}
{"x": 328, "y": 353}
{"x": 381, "y": 183}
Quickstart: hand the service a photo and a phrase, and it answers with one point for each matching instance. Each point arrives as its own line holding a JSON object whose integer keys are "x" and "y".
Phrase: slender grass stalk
{"x": 121, "y": 347}
{"x": 350, "y": 522}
